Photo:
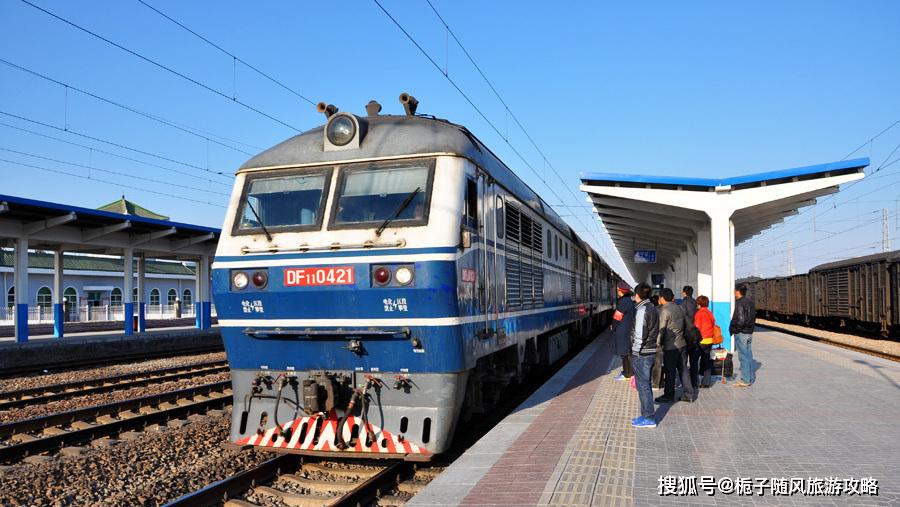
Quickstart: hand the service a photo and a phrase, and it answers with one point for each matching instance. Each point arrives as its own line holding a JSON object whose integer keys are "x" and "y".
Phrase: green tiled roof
{"x": 126, "y": 207}
{"x": 44, "y": 260}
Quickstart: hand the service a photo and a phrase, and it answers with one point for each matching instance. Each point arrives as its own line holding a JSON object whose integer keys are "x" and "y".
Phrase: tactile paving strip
{"x": 597, "y": 466}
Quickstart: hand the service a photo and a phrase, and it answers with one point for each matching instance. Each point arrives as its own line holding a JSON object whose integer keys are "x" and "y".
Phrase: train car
{"x": 859, "y": 293}
{"x": 382, "y": 279}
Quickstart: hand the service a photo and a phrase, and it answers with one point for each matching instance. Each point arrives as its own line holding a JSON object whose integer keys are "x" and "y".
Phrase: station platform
{"x": 819, "y": 420}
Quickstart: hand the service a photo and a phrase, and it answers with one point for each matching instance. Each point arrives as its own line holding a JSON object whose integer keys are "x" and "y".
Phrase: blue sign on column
{"x": 645, "y": 256}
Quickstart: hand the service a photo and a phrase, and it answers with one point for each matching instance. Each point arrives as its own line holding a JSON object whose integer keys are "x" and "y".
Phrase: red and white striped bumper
{"x": 304, "y": 439}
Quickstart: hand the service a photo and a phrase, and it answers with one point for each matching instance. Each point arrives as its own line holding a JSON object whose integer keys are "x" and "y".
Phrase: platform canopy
{"x": 684, "y": 230}
{"x": 39, "y": 225}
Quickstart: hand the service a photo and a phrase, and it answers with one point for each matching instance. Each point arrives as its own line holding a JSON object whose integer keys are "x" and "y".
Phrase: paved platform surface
{"x": 818, "y": 419}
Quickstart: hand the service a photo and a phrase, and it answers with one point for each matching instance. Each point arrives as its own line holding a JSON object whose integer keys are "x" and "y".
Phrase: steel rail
{"x": 373, "y": 487}
{"x": 53, "y": 442}
{"x": 230, "y": 487}
{"x": 88, "y": 413}
{"x": 23, "y": 397}
{"x": 115, "y": 359}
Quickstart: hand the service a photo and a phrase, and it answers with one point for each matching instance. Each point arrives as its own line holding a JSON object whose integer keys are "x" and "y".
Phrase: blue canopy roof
{"x": 843, "y": 165}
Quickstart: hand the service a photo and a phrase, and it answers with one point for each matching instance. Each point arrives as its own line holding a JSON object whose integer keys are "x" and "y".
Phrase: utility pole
{"x": 885, "y": 231}
{"x": 790, "y": 258}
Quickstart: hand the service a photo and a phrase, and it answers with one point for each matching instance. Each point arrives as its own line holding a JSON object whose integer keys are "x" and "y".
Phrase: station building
{"x": 93, "y": 287}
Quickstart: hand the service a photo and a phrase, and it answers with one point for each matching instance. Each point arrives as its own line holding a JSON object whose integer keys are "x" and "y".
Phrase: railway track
{"x": 813, "y": 337}
{"x": 22, "y": 397}
{"x": 16, "y": 371}
{"x": 302, "y": 482}
{"x": 53, "y": 432}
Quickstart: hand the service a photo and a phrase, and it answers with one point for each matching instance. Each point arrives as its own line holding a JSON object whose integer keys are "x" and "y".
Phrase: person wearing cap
{"x": 621, "y": 328}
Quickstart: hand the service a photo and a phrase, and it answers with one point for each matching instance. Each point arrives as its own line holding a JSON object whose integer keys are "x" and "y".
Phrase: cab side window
{"x": 471, "y": 212}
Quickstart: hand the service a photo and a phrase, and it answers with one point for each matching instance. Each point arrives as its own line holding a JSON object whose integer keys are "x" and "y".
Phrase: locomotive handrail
{"x": 313, "y": 333}
{"x": 332, "y": 246}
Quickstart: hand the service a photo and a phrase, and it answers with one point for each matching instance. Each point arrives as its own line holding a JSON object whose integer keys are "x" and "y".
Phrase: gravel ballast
{"x": 149, "y": 471}
{"x": 50, "y": 379}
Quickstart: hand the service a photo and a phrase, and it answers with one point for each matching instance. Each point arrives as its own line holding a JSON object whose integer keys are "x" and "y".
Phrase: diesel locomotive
{"x": 382, "y": 279}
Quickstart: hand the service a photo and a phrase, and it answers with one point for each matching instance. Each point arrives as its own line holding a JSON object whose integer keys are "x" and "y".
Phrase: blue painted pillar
{"x": 141, "y": 288}
{"x": 20, "y": 275}
{"x": 59, "y": 314}
{"x": 127, "y": 289}
{"x": 206, "y": 322}
{"x": 202, "y": 304}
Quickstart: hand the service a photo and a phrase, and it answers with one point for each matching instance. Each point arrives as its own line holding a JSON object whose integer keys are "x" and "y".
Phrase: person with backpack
{"x": 621, "y": 328}
{"x": 691, "y": 335}
{"x": 705, "y": 324}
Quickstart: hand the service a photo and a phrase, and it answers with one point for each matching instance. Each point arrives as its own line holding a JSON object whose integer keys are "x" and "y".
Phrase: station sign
{"x": 645, "y": 256}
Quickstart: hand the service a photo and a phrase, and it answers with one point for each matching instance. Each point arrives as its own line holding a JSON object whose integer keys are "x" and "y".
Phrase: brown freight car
{"x": 859, "y": 293}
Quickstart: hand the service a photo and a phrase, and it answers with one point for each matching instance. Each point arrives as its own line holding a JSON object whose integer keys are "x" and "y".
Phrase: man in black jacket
{"x": 644, "y": 334}
{"x": 743, "y": 322}
{"x": 621, "y": 327}
{"x": 671, "y": 338}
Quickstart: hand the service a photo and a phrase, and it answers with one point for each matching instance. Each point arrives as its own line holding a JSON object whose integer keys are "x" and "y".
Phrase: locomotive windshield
{"x": 373, "y": 195}
{"x": 283, "y": 202}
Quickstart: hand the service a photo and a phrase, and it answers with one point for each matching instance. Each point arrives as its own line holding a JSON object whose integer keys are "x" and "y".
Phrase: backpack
{"x": 692, "y": 337}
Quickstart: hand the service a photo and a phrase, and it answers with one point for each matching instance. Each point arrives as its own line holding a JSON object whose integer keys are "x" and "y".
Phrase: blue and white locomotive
{"x": 383, "y": 278}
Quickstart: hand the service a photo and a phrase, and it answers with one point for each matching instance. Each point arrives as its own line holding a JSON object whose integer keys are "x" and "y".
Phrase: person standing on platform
{"x": 622, "y": 321}
{"x": 691, "y": 334}
{"x": 705, "y": 323}
{"x": 644, "y": 335}
{"x": 743, "y": 322}
{"x": 671, "y": 337}
{"x": 688, "y": 304}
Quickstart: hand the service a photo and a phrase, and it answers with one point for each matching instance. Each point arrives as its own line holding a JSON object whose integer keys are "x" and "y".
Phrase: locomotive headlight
{"x": 340, "y": 130}
{"x": 403, "y": 275}
{"x": 240, "y": 280}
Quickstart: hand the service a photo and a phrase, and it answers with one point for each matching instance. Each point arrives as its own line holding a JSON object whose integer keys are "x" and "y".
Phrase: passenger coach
{"x": 381, "y": 278}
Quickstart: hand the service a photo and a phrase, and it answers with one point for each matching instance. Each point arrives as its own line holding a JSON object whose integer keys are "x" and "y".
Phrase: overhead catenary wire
{"x": 163, "y": 66}
{"x": 117, "y": 155}
{"x": 156, "y": 118}
{"x": 511, "y": 114}
{"x": 113, "y": 143}
{"x": 110, "y": 171}
{"x": 229, "y": 53}
{"x": 479, "y": 111}
{"x": 99, "y": 180}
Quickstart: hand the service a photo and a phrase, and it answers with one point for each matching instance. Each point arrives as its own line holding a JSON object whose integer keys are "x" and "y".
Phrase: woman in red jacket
{"x": 705, "y": 322}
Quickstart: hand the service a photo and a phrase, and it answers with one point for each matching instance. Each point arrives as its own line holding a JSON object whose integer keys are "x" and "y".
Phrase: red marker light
{"x": 382, "y": 276}
{"x": 260, "y": 279}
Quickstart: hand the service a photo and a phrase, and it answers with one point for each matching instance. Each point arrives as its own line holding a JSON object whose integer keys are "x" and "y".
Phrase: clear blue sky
{"x": 699, "y": 88}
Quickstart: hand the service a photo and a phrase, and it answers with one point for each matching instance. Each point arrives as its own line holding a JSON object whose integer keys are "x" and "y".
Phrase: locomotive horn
{"x": 327, "y": 109}
{"x": 409, "y": 103}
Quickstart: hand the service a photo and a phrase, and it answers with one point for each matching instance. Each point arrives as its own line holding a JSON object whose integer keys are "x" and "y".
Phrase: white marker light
{"x": 403, "y": 275}
{"x": 240, "y": 280}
